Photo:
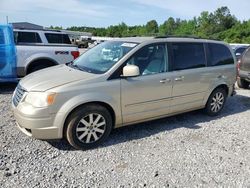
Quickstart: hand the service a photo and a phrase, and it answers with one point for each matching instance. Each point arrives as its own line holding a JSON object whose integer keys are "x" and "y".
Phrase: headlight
{"x": 40, "y": 99}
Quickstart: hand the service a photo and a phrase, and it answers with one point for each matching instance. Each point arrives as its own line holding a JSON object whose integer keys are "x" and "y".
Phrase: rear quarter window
{"x": 27, "y": 37}
{"x": 57, "y": 38}
{"x": 219, "y": 54}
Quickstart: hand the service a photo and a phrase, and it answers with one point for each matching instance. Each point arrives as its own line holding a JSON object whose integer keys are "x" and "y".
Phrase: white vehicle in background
{"x": 237, "y": 45}
{"x": 38, "y": 49}
{"x": 99, "y": 40}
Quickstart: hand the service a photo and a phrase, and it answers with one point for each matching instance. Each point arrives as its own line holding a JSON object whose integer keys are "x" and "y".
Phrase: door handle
{"x": 179, "y": 78}
{"x": 165, "y": 80}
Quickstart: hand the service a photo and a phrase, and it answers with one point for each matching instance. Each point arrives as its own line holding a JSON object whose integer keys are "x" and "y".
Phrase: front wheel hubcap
{"x": 91, "y": 128}
{"x": 217, "y": 102}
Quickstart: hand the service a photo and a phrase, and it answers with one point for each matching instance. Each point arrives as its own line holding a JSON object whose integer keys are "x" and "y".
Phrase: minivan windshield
{"x": 102, "y": 57}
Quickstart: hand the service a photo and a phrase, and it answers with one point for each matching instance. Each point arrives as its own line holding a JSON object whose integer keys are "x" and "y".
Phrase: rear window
{"x": 27, "y": 37}
{"x": 240, "y": 50}
{"x": 188, "y": 56}
{"x": 57, "y": 38}
{"x": 220, "y": 55}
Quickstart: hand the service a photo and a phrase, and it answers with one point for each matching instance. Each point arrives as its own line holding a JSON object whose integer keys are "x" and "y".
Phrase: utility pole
{"x": 7, "y": 19}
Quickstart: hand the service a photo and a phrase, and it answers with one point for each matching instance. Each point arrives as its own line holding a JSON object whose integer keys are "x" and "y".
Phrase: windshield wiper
{"x": 74, "y": 66}
{"x": 69, "y": 63}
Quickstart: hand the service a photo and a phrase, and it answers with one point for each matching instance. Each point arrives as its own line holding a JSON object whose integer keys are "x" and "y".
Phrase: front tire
{"x": 216, "y": 102}
{"x": 242, "y": 83}
{"x": 88, "y": 126}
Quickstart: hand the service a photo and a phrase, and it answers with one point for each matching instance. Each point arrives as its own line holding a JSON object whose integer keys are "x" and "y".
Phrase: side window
{"x": 188, "y": 56}
{"x": 219, "y": 55}
{"x": 2, "y": 37}
{"x": 27, "y": 37}
{"x": 57, "y": 38}
{"x": 151, "y": 59}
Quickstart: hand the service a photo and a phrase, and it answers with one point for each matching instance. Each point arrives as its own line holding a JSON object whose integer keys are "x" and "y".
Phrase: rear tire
{"x": 242, "y": 83}
{"x": 88, "y": 126}
{"x": 216, "y": 102}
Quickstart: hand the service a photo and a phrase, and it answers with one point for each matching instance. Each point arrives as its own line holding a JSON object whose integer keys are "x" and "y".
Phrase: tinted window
{"x": 188, "y": 56}
{"x": 57, "y": 38}
{"x": 240, "y": 50}
{"x": 27, "y": 37}
{"x": 220, "y": 55}
{"x": 150, "y": 59}
{"x": 2, "y": 37}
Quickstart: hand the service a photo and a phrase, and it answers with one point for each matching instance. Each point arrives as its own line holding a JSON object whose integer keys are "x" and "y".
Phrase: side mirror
{"x": 130, "y": 71}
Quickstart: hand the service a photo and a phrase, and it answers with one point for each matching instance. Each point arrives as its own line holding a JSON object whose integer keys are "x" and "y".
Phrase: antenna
{"x": 7, "y": 19}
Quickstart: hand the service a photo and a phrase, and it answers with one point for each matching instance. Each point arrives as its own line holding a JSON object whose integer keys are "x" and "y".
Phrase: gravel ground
{"x": 189, "y": 150}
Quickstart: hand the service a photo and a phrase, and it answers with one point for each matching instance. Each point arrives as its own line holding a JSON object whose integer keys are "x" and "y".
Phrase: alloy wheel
{"x": 91, "y": 128}
{"x": 217, "y": 102}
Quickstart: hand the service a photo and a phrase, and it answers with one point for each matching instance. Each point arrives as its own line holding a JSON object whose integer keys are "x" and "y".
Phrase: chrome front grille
{"x": 18, "y": 95}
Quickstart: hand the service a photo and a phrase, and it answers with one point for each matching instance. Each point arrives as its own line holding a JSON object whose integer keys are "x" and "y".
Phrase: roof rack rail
{"x": 180, "y": 36}
{"x": 23, "y": 28}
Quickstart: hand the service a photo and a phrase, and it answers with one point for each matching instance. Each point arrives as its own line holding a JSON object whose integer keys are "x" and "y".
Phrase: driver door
{"x": 149, "y": 95}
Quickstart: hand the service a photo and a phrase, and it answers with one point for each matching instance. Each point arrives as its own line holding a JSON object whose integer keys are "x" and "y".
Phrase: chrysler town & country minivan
{"x": 122, "y": 82}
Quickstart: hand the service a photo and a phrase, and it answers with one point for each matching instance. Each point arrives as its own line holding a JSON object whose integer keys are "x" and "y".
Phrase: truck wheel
{"x": 86, "y": 45}
{"x": 88, "y": 126}
{"x": 242, "y": 83}
{"x": 216, "y": 102}
{"x": 38, "y": 65}
{"x": 81, "y": 46}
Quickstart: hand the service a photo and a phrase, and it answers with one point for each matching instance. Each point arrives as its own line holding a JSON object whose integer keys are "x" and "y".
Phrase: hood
{"x": 53, "y": 77}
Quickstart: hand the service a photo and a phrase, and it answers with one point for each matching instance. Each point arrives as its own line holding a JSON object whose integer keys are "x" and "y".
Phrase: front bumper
{"x": 36, "y": 122}
{"x": 244, "y": 75}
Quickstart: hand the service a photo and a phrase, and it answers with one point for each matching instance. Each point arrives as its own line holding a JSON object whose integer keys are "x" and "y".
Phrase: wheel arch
{"x": 49, "y": 61}
{"x": 222, "y": 85}
{"x": 100, "y": 103}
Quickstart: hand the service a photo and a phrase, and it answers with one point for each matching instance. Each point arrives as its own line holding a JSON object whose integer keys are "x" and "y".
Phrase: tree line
{"x": 219, "y": 25}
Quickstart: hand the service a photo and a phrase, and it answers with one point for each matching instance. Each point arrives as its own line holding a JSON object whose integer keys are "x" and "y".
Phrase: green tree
{"x": 152, "y": 27}
{"x": 186, "y": 28}
{"x": 168, "y": 27}
{"x": 220, "y": 24}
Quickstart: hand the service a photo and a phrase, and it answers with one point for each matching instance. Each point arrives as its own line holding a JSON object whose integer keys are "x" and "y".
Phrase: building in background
{"x": 26, "y": 25}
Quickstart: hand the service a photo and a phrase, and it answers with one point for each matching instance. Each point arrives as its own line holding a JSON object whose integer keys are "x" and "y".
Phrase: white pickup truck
{"x": 38, "y": 49}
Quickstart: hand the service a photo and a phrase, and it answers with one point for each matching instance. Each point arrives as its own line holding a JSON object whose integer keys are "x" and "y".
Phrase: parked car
{"x": 142, "y": 79}
{"x": 38, "y": 49}
{"x": 243, "y": 79}
{"x": 239, "y": 51}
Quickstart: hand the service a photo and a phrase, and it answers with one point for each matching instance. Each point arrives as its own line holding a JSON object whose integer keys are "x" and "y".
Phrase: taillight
{"x": 238, "y": 66}
{"x": 75, "y": 54}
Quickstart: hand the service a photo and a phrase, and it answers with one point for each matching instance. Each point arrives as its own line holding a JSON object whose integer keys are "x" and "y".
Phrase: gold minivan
{"x": 122, "y": 82}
